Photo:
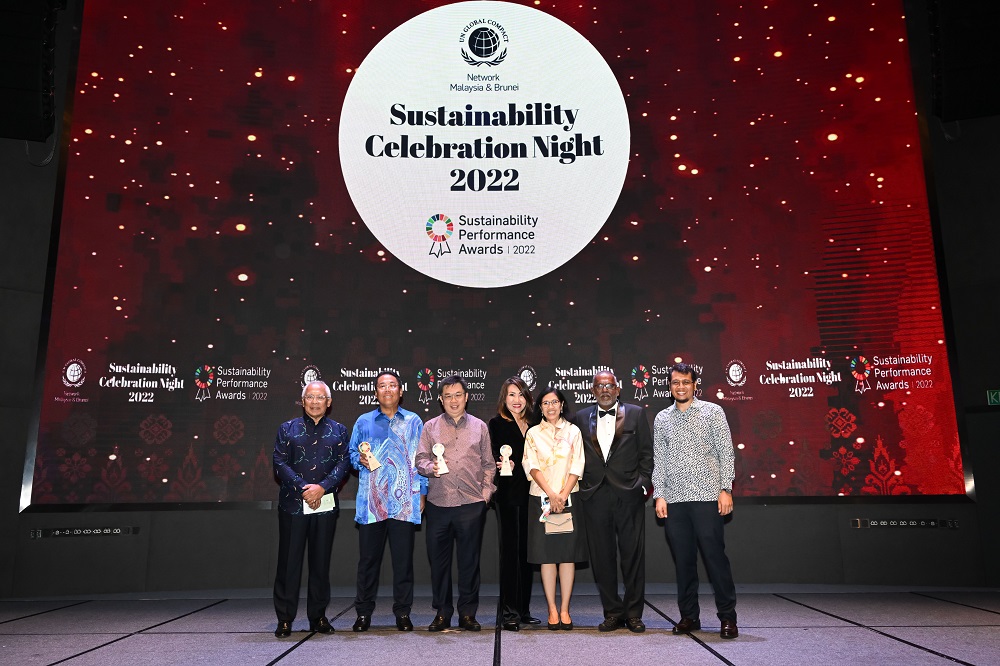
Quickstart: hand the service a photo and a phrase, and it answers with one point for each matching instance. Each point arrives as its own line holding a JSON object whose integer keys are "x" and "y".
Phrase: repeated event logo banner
{"x": 484, "y": 143}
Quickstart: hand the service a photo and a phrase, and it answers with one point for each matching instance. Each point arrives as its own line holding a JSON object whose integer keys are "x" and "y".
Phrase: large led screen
{"x": 257, "y": 194}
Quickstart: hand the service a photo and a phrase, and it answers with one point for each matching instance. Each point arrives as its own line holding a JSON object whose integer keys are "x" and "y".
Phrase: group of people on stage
{"x": 567, "y": 489}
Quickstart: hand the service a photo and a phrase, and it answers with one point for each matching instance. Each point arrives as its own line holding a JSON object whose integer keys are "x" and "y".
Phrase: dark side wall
{"x": 768, "y": 543}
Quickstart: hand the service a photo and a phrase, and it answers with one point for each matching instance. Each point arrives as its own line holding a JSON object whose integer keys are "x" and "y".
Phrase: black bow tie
{"x": 601, "y": 413}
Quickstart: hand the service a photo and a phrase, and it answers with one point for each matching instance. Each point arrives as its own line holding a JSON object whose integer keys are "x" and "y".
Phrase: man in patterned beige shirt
{"x": 693, "y": 470}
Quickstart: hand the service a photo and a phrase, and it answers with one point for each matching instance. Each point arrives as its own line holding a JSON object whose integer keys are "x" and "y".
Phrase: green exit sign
{"x": 993, "y": 397}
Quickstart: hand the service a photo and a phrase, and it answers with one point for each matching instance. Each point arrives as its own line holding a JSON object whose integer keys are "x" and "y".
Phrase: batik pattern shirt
{"x": 307, "y": 452}
{"x": 394, "y": 489}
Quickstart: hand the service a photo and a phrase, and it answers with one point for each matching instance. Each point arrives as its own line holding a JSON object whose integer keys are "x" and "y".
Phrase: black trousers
{"x": 693, "y": 526}
{"x": 451, "y": 527}
{"x": 371, "y": 547}
{"x": 300, "y": 535}
{"x": 616, "y": 525}
{"x": 515, "y": 572}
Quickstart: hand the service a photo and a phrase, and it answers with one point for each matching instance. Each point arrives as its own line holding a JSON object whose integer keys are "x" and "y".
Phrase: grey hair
{"x": 326, "y": 388}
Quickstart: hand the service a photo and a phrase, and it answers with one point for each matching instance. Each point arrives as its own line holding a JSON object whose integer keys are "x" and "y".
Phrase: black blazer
{"x": 511, "y": 490}
{"x": 629, "y": 468}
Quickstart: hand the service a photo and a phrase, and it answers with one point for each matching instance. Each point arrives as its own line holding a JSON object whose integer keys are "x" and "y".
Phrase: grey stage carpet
{"x": 792, "y": 625}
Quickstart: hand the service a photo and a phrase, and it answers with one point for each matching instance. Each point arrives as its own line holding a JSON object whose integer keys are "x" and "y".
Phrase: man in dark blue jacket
{"x": 310, "y": 461}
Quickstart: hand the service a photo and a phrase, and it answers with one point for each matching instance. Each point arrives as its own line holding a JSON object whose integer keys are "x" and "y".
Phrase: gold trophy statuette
{"x": 373, "y": 463}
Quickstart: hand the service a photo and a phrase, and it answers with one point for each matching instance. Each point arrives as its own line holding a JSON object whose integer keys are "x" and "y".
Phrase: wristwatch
{"x": 728, "y": 490}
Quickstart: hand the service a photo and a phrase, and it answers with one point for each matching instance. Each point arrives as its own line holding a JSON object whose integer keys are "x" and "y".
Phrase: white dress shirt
{"x": 606, "y": 430}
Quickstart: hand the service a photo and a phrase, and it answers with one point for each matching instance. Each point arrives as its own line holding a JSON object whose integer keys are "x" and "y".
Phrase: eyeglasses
{"x": 452, "y": 396}
{"x": 605, "y": 387}
{"x": 314, "y": 398}
{"x": 550, "y": 403}
{"x": 681, "y": 382}
{"x": 387, "y": 387}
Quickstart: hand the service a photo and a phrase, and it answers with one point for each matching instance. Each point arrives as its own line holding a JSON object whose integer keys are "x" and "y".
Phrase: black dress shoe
{"x": 284, "y": 630}
{"x": 403, "y": 623}
{"x": 686, "y": 626}
{"x": 610, "y": 624}
{"x": 729, "y": 629}
{"x": 511, "y": 625}
{"x": 321, "y": 626}
{"x": 469, "y": 623}
{"x": 527, "y": 619}
{"x": 555, "y": 626}
{"x": 362, "y": 623}
{"x": 635, "y": 625}
{"x": 439, "y": 623}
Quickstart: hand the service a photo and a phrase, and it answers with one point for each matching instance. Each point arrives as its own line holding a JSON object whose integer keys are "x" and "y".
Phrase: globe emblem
{"x": 528, "y": 376}
{"x": 484, "y": 42}
{"x": 735, "y": 372}
{"x": 74, "y": 372}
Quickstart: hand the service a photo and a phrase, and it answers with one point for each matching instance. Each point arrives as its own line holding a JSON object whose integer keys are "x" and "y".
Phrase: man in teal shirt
{"x": 390, "y": 499}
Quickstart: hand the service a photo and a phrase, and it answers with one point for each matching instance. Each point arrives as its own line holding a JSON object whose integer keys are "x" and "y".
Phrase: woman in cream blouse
{"x": 553, "y": 460}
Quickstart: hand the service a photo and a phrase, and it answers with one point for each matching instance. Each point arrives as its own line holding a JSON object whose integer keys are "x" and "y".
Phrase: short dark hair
{"x": 389, "y": 372}
{"x": 525, "y": 392}
{"x": 399, "y": 381}
{"x": 559, "y": 394}
{"x": 683, "y": 369}
{"x": 451, "y": 380}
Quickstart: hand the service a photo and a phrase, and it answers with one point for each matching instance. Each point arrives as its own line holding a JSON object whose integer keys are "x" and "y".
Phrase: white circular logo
{"x": 74, "y": 373}
{"x": 736, "y": 373}
{"x": 528, "y": 376}
{"x": 484, "y": 143}
{"x": 309, "y": 374}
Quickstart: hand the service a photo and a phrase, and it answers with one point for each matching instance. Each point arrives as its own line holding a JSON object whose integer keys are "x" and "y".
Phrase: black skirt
{"x": 555, "y": 548}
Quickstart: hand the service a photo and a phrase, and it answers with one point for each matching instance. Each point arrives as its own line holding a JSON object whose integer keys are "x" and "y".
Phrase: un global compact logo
{"x": 484, "y": 43}
{"x": 439, "y": 229}
{"x": 736, "y": 373}
{"x": 74, "y": 373}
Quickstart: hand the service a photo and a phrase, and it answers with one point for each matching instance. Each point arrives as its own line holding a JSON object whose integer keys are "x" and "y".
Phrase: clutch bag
{"x": 559, "y": 523}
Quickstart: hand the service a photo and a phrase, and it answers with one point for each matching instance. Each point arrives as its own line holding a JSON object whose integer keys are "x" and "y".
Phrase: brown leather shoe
{"x": 729, "y": 629}
{"x": 686, "y": 626}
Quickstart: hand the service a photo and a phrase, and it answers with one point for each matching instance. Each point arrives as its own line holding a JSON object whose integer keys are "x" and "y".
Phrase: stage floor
{"x": 790, "y": 624}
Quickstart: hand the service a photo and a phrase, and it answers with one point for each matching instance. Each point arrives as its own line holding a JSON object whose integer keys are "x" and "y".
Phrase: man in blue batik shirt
{"x": 310, "y": 461}
{"x": 390, "y": 499}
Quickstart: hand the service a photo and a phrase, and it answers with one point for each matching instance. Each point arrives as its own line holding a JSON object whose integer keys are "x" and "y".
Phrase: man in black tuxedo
{"x": 618, "y": 449}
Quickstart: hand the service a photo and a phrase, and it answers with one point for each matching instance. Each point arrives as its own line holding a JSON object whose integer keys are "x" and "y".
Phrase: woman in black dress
{"x": 515, "y": 414}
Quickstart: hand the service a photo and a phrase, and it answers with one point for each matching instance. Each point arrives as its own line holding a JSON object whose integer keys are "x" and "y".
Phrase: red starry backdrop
{"x": 773, "y": 230}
